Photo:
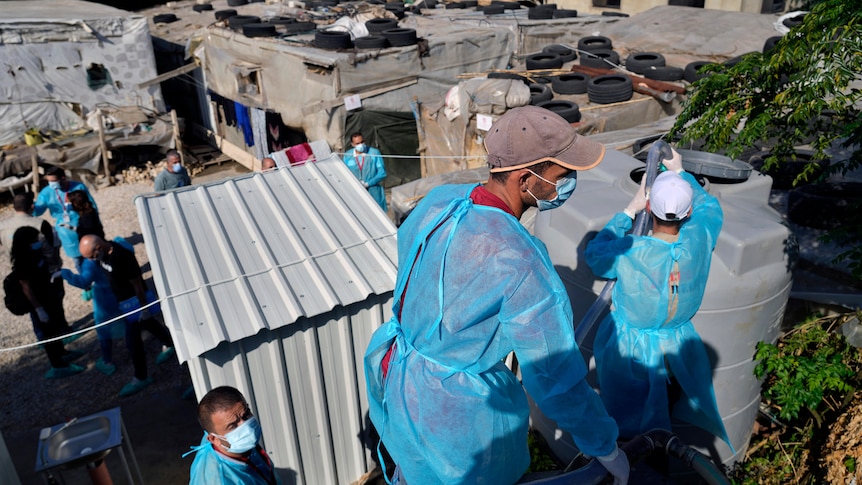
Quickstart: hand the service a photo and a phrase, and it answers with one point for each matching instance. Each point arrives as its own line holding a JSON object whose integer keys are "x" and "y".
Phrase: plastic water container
{"x": 747, "y": 291}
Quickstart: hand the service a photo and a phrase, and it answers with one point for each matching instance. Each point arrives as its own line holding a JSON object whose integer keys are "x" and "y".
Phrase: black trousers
{"x": 135, "y": 342}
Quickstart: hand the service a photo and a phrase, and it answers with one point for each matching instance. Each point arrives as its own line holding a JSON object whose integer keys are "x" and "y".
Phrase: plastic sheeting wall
{"x": 46, "y": 48}
{"x": 306, "y": 384}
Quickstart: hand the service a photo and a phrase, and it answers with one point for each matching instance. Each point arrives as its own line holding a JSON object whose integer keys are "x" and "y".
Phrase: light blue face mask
{"x": 244, "y": 437}
{"x": 54, "y": 185}
{"x": 176, "y": 167}
{"x": 565, "y": 186}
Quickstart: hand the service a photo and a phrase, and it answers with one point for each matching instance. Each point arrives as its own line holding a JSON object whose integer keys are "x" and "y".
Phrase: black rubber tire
{"x": 552, "y": 6}
{"x": 565, "y": 14}
{"x": 639, "y": 62}
{"x": 432, "y": 4}
{"x": 332, "y": 39}
{"x": 281, "y": 20}
{"x": 470, "y": 3}
{"x": 690, "y": 73}
{"x": 373, "y": 41}
{"x": 300, "y": 27}
{"x": 542, "y": 80}
{"x": 824, "y": 206}
{"x": 575, "y": 83}
{"x": 202, "y": 7}
{"x": 375, "y": 26}
{"x": 594, "y": 43}
{"x": 400, "y": 37}
{"x": 224, "y": 14}
{"x": 164, "y": 18}
{"x": 664, "y": 73}
{"x": 566, "y": 54}
{"x": 610, "y": 88}
{"x": 237, "y": 21}
{"x": 794, "y": 21}
{"x": 598, "y": 59}
{"x": 770, "y": 43}
{"x": 733, "y": 61}
{"x": 493, "y": 10}
{"x": 398, "y": 12}
{"x": 258, "y": 30}
{"x": 542, "y": 12}
{"x": 454, "y": 5}
{"x": 540, "y": 92}
{"x": 236, "y": 3}
{"x": 511, "y": 5}
{"x": 568, "y": 110}
{"x": 508, "y": 75}
{"x": 544, "y": 60}
{"x": 614, "y": 14}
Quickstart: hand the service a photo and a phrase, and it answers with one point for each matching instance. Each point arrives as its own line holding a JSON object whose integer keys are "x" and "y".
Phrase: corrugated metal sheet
{"x": 273, "y": 283}
{"x": 257, "y": 252}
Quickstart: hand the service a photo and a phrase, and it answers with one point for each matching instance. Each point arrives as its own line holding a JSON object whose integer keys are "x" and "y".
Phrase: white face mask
{"x": 176, "y": 167}
{"x": 360, "y": 148}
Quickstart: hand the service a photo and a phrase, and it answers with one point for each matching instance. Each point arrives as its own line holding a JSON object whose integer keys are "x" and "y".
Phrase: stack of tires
{"x": 610, "y": 88}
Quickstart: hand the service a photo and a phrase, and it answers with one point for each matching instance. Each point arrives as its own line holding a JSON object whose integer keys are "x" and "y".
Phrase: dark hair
{"x": 355, "y": 134}
{"x": 219, "y": 399}
{"x": 80, "y": 202}
{"x": 22, "y": 202}
{"x": 56, "y": 172}
{"x": 173, "y": 153}
{"x": 21, "y": 252}
{"x": 663, "y": 223}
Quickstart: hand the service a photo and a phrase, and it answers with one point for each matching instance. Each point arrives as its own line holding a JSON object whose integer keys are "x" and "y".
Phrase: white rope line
{"x": 445, "y": 157}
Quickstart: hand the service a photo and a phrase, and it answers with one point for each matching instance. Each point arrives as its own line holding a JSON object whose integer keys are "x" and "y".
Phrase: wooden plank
{"x": 169, "y": 75}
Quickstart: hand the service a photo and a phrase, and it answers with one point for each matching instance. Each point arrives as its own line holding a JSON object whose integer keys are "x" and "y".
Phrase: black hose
{"x": 661, "y": 439}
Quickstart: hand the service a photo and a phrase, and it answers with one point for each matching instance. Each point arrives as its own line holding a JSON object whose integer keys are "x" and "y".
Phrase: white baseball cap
{"x": 670, "y": 197}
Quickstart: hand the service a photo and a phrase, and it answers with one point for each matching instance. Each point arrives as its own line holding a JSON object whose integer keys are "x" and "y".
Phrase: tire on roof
{"x": 236, "y": 3}
{"x": 600, "y": 59}
{"x": 568, "y": 110}
{"x": 202, "y": 7}
{"x": 224, "y": 14}
{"x": 610, "y": 88}
{"x": 540, "y": 92}
{"x": 542, "y": 12}
{"x": 664, "y": 73}
{"x": 373, "y": 41}
{"x": 639, "y": 62}
{"x": 544, "y": 60}
{"x": 565, "y": 53}
{"x": 400, "y": 37}
{"x": 300, "y": 27}
{"x": 164, "y": 18}
{"x": 691, "y": 74}
{"x": 575, "y": 83}
{"x": 258, "y": 30}
{"x": 565, "y": 13}
{"x": 237, "y": 21}
{"x": 375, "y": 26}
{"x": 595, "y": 42}
{"x": 332, "y": 39}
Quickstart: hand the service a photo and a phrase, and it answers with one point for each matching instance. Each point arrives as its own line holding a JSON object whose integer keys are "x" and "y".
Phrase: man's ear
{"x": 523, "y": 175}
{"x": 212, "y": 439}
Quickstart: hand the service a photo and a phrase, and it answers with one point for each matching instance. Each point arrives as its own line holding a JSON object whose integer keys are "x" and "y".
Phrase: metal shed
{"x": 273, "y": 283}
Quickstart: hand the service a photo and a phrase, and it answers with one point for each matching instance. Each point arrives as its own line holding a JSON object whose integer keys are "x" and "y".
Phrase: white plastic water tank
{"x": 747, "y": 291}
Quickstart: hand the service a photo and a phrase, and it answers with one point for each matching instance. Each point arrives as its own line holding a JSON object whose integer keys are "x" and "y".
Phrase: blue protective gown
{"x": 65, "y": 218}
{"x": 372, "y": 172}
{"x": 449, "y": 411}
{"x": 212, "y": 468}
{"x": 105, "y": 306}
{"x": 636, "y": 341}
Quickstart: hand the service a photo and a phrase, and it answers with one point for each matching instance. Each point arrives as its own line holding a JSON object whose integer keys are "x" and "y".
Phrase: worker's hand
{"x": 42, "y": 314}
{"x": 675, "y": 162}
{"x": 145, "y": 314}
{"x": 57, "y": 274}
{"x": 638, "y": 202}
{"x": 365, "y": 184}
{"x": 617, "y": 464}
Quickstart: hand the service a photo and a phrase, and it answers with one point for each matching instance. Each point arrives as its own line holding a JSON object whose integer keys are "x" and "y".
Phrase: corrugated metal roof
{"x": 233, "y": 257}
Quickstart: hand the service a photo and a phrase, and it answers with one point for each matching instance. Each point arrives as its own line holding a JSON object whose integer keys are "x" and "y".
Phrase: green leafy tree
{"x": 806, "y": 90}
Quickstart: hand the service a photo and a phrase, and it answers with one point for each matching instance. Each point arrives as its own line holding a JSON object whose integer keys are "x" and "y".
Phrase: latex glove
{"x": 617, "y": 464}
{"x": 638, "y": 202}
{"x": 365, "y": 184}
{"x": 145, "y": 314}
{"x": 42, "y": 314}
{"x": 675, "y": 162}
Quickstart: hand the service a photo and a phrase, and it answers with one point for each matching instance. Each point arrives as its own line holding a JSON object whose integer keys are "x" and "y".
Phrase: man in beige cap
{"x": 473, "y": 285}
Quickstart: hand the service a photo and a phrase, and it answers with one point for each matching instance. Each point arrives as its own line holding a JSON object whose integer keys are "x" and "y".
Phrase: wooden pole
{"x": 178, "y": 142}
{"x": 104, "y": 147}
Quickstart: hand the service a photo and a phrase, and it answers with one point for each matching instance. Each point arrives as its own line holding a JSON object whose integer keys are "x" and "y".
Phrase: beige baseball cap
{"x": 529, "y": 135}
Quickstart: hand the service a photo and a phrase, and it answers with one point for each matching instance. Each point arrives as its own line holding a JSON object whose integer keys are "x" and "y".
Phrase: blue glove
{"x": 617, "y": 464}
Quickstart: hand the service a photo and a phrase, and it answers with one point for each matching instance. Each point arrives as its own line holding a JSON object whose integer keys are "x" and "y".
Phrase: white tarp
{"x": 46, "y": 49}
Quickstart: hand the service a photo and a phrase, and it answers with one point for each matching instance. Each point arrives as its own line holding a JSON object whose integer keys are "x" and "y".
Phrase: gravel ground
{"x": 29, "y": 400}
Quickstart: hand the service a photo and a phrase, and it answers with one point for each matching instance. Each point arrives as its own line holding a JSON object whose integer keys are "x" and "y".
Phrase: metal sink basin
{"x": 83, "y": 441}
